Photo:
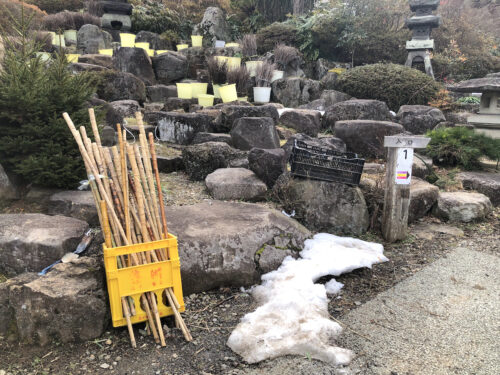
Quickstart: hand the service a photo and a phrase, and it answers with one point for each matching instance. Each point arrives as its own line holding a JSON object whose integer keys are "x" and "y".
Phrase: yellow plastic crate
{"x": 137, "y": 280}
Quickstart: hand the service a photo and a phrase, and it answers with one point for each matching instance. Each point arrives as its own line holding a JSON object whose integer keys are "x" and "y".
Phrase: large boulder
{"x": 332, "y": 97}
{"x": 329, "y": 81}
{"x": 213, "y": 25}
{"x": 121, "y": 86}
{"x": 331, "y": 143}
{"x": 418, "y": 119}
{"x": 7, "y": 190}
{"x": 178, "y": 127}
{"x": 356, "y": 109}
{"x": 231, "y": 113}
{"x": 68, "y": 304}
{"x": 267, "y": 164}
{"x": 196, "y": 61}
{"x": 75, "y": 203}
{"x": 177, "y": 104}
{"x": 170, "y": 67}
{"x": 302, "y": 120}
{"x": 160, "y": 93}
{"x": 90, "y": 39}
{"x": 483, "y": 182}
{"x": 211, "y": 137}
{"x": 155, "y": 41}
{"x": 423, "y": 197}
{"x": 462, "y": 206}
{"x": 120, "y": 109}
{"x": 96, "y": 59}
{"x": 324, "y": 206}
{"x": 202, "y": 159}
{"x": 218, "y": 241}
{"x": 235, "y": 184}
{"x": 135, "y": 61}
{"x": 366, "y": 137}
{"x": 31, "y": 242}
{"x": 293, "y": 92}
{"x": 77, "y": 67}
{"x": 422, "y": 166}
{"x": 249, "y": 132}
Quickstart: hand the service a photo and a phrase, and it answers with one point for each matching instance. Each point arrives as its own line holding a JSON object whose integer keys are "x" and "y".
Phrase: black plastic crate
{"x": 326, "y": 165}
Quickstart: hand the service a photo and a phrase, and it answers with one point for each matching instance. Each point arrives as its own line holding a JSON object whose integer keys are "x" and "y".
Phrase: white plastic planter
{"x": 261, "y": 94}
{"x": 277, "y": 74}
{"x": 220, "y": 44}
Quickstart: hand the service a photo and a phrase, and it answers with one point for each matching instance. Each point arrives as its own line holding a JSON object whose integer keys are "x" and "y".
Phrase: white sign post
{"x": 397, "y": 182}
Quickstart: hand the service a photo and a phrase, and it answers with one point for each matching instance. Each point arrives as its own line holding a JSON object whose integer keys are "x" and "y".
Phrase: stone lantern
{"x": 488, "y": 119}
{"x": 116, "y": 15}
{"x": 421, "y": 25}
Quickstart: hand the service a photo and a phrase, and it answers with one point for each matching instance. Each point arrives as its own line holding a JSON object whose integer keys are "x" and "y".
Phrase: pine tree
{"x": 35, "y": 142}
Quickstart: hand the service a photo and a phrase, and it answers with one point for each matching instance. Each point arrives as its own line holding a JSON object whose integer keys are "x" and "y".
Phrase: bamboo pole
{"x": 93, "y": 123}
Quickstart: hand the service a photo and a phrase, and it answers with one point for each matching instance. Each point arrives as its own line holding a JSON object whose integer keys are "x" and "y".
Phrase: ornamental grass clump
{"x": 217, "y": 71}
{"x": 285, "y": 56}
{"x": 264, "y": 75}
{"x": 248, "y": 46}
{"x": 240, "y": 77}
{"x": 69, "y": 21}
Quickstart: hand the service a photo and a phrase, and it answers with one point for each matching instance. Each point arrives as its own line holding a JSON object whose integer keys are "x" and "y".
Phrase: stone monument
{"x": 116, "y": 15}
{"x": 420, "y": 46}
{"x": 487, "y": 120}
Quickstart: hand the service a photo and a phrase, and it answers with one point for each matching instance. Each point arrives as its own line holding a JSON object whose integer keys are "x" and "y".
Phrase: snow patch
{"x": 292, "y": 317}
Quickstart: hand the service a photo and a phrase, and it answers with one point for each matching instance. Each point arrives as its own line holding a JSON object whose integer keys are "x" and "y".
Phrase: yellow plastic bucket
{"x": 233, "y": 62}
{"x": 143, "y": 45}
{"x": 234, "y": 45}
{"x": 127, "y": 40}
{"x": 206, "y": 100}
{"x": 108, "y": 52}
{"x": 58, "y": 41}
{"x": 252, "y": 67}
{"x": 184, "y": 90}
{"x": 243, "y": 98}
{"x": 216, "y": 91}
{"x": 70, "y": 35}
{"x": 151, "y": 52}
{"x": 338, "y": 70}
{"x": 160, "y": 51}
{"x": 198, "y": 89}
{"x": 72, "y": 57}
{"x": 197, "y": 40}
{"x": 44, "y": 56}
{"x": 222, "y": 59}
{"x": 228, "y": 93}
{"x": 180, "y": 47}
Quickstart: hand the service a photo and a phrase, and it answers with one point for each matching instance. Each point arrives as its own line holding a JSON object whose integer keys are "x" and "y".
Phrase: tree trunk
{"x": 277, "y": 10}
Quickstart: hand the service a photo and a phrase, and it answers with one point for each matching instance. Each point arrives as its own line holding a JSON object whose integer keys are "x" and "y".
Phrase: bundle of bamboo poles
{"x": 126, "y": 186}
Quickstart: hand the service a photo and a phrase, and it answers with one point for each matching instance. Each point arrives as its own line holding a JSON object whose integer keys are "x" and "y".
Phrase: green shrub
{"x": 35, "y": 142}
{"x": 396, "y": 85}
{"x": 54, "y": 6}
{"x": 451, "y": 68}
{"x": 469, "y": 100}
{"x": 274, "y": 34}
{"x": 460, "y": 146}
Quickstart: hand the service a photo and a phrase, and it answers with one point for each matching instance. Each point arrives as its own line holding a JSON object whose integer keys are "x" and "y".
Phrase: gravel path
{"x": 443, "y": 320}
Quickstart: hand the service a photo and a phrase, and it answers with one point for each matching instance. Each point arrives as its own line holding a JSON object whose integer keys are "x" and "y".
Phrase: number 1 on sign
{"x": 404, "y": 166}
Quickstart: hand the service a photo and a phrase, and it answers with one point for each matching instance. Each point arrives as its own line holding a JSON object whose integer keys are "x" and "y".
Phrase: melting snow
{"x": 292, "y": 317}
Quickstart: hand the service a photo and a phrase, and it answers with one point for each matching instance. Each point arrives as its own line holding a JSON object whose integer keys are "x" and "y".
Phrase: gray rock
{"x": 90, "y": 39}
{"x": 68, "y": 304}
{"x": 180, "y": 128}
{"x": 231, "y": 113}
{"x": 235, "y": 184}
{"x": 177, "y": 104}
{"x": 324, "y": 206}
{"x": 113, "y": 21}
{"x": 316, "y": 105}
{"x": 169, "y": 164}
{"x": 332, "y": 97}
{"x": 153, "y": 107}
{"x": 74, "y": 203}
{"x": 423, "y": 197}
{"x": 329, "y": 81}
{"x": 211, "y": 137}
{"x": 160, "y": 93}
{"x": 422, "y": 166}
{"x": 135, "y": 61}
{"x": 218, "y": 241}
{"x": 108, "y": 136}
{"x": 483, "y": 182}
{"x": 78, "y": 67}
{"x": 239, "y": 163}
{"x": 418, "y": 119}
{"x": 170, "y": 67}
{"x": 213, "y": 25}
{"x": 116, "y": 7}
{"x": 321, "y": 68}
{"x": 373, "y": 168}
{"x": 250, "y": 132}
{"x": 31, "y": 242}
{"x": 293, "y": 92}
{"x": 271, "y": 258}
{"x": 458, "y": 118}
{"x": 196, "y": 61}
{"x": 488, "y": 83}
{"x": 155, "y": 41}
{"x": 462, "y": 206}
{"x": 120, "y": 109}
{"x": 202, "y": 159}
{"x": 366, "y": 137}
{"x": 267, "y": 164}
{"x": 7, "y": 190}
{"x": 331, "y": 143}
{"x": 355, "y": 109}
{"x": 302, "y": 120}
{"x": 121, "y": 86}
{"x": 96, "y": 59}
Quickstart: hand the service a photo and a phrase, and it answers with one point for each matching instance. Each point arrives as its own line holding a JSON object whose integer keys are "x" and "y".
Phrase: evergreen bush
{"x": 277, "y": 33}
{"x": 461, "y": 146}
{"x": 396, "y": 85}
{"x": 35, "y": 142}
{"x": 54, "y": 6}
